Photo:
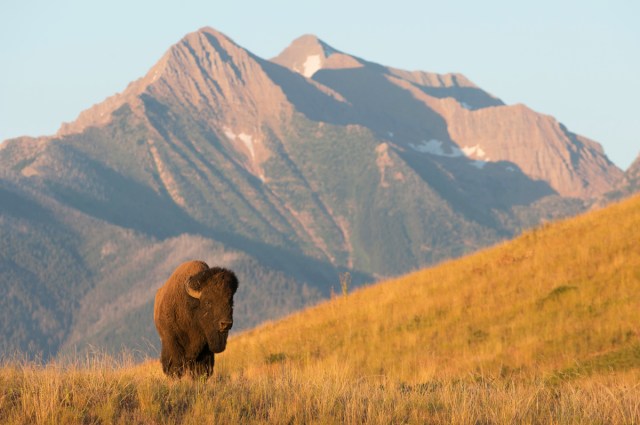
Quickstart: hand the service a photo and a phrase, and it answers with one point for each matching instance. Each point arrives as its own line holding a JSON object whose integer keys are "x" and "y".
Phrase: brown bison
{"x": 193, "y": 313}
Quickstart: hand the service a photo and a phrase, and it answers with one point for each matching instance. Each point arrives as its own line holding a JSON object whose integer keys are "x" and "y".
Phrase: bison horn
{"x": 192, "y": 292}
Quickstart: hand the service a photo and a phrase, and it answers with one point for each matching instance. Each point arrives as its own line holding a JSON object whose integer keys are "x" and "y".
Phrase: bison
{"x": 193, "y": 313}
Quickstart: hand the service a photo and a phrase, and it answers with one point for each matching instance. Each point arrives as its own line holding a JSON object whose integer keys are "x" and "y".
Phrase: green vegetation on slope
{"x": 387, "y": 216}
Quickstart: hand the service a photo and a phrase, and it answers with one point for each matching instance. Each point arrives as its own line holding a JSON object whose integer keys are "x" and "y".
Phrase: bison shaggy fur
{"x": 193, "y": 313}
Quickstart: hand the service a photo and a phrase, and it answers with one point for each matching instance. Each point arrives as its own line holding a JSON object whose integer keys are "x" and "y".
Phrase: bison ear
{"x": 193, "y": 286}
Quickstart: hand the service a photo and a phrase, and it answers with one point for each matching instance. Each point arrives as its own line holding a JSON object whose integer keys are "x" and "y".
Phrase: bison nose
{"x": 225, "y": 325}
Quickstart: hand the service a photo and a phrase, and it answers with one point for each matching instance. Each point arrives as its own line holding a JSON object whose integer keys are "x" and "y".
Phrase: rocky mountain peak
{"x": 205, "y": 71}
{"x": 308, "y": 54}
{"x": 634, "y": 168}
{"x": 631, "y": 181}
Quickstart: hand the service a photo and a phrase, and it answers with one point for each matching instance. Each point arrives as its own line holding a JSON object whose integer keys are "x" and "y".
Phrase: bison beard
{"x": 193, "y": 313}
{"x": 218, "y": 342}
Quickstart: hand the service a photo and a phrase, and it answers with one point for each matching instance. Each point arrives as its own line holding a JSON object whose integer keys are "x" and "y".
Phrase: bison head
{"x": 212, "y": 291}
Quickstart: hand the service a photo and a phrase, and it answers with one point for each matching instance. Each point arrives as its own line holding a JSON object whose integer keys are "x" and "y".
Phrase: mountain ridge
{"x": 464, "y": 135}
{"x": 465, "y": 118}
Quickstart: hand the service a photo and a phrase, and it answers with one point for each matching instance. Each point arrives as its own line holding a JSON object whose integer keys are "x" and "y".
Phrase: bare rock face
{"x": 308, "y": 54}
{"x": 205, "y": 72}
{"x": 633, "y": 172}
{"x": 463, "y": 117}
{"x": 541, "y": 146}
{"x": 240, "y": 95}
{"x": 629, "y": 184}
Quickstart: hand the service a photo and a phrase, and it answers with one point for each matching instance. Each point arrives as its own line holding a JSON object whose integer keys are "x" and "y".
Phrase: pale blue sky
{"x": 576, "y": 60}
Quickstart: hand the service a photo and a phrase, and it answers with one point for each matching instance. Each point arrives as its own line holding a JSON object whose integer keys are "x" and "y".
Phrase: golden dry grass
{"x": 563, "y": 296}
{"x": 543, "y": 329}
{"x": 106, "y": 392}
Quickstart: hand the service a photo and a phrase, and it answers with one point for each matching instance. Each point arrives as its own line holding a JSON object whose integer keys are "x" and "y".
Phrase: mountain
{"x": 248, "y": 163}
{"x": 628, "y": 185}
{"x": 461, "y": 119}
{"x": 633, "y": 174}
{"x": 631, "y": 181}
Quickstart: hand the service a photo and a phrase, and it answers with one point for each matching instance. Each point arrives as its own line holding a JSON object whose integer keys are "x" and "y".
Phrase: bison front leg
{"x": 172, "y": 361}
{"x": 203, "y": 365}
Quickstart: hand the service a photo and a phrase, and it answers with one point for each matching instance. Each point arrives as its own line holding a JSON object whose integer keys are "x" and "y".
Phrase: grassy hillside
{"x": 560, "y": 297}
{"x": 543, "y": 329}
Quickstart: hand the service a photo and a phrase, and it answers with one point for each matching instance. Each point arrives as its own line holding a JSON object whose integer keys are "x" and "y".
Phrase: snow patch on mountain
{"x": 436, "y": 147}
{"x": 254, "y": 150}
{"x": 311, "y": 65}
{"x": 474, "y": 151}
{"x": 245, "y": 138}
{"x": 230, "y": 134}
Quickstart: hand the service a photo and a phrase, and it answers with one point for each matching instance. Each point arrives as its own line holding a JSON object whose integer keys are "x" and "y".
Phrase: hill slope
{"x": 539, "y": 330}
{"x": 559, "y": 299}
